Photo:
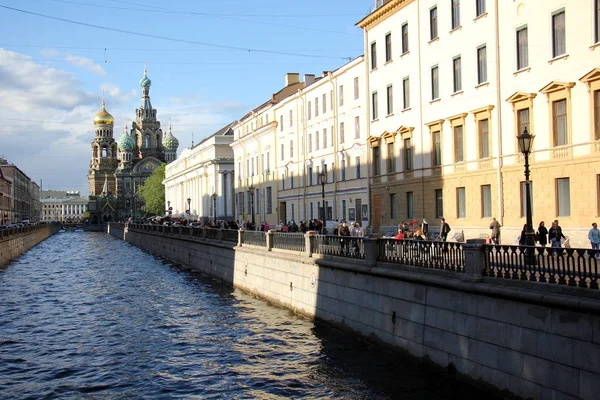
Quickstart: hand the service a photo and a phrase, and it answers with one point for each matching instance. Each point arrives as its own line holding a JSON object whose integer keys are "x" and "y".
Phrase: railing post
{"x": 241, "y": 237}
{"x": 474, "y": 260}
{"x": 220, "y": 234}
{"x": 309, "y": 239}
{"x": 371, "y": 251}
{"x": 269, "y": 238}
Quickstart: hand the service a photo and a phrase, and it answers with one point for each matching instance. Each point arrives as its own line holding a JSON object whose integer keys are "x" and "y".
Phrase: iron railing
{"x": 341, "y": 246}
{"x": 561, "y": 266}
{"x": 289, "y": 241}
{"x": 230, "y": 235}
{"x": 212, "y": 233}
{"x": 423, "y": 253}
{"x": 255, "y": 238}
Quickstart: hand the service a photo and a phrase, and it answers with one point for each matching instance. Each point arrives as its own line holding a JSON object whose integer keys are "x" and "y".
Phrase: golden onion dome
{"x": 104, "y": 118}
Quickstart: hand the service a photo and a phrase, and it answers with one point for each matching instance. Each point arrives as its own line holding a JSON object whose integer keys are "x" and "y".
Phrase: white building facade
{"x": 199, "y": 183}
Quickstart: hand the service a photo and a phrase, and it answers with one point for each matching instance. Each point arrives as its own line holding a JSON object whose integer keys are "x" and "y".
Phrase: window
{"x": 390, "y": 100}
{"x": 316, "y": 106}
{"x": 461, "y": 203}
{"x": 407, "y": 155}
{"x": 341, "y": 132}
{"x": 559, "y": 122}
{"x": 455, "y": 14}
{"x": 325, "y": 138}
{"x": 391, "y": 158}
{"x": 433, "y": 28}
{"x": 597, "y": 22}
{"x": 147, "y": 143}
{"x": 523, "y": 120}
{"x": 457, "y": 74}
{"x": 559, "y": 45}
{"x": 376, "y": 161}
{"x": 393, "y": 212}
{"x": 282, "y": 181}
{"x": 309, "y": 142}
{"x": 439, "y": 204}
{"x": 343, "y": 209}
{"x": 291, "y": 179}
{"x": 281, "y": 123}
{"x": 268, "y": 162}
{"x": 374, "y": 105}
{"x": 291, "y": 119}
{"x": 522, "y": 48}
{"x": 479, "y": 7}
{"x": 459, "y": 155}
{"x": 317, "y": 141}
{"x": 486, "y": 201}
{"x": 356, "y": 127}
{"x": 341, "y": 95}
{"x": 291, "y": 151}
{"x": 405, "y": 38}
{"x": 563, "y": 197}
{"x": 481, "y": 65}
{"x": 435, "y": 83}
{"x": 324, "y": 103}
{"x": 310, "y": 176}
{"x": 524, "y": 197}
{"x": 331, "y": 100}
{"x": 388, "y": 47}
{"x": 373, "y": 55}
{"x": 406, "y": 93}
{"x": 597, "y": 114}
{"x": 437, "y": 148}
{"x": 484, "y": 138}
{"x": 248, "y": 164}
{"x": 409, "y": 205}
{"x": 343, "y": 170}
{"x": 356, "y": 93}
{"x": 308, "y": 109}
{"x": 357, "y": 167}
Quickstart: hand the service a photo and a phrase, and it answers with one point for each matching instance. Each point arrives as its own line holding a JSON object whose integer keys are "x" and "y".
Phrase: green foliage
{"x": 153, "y": 192}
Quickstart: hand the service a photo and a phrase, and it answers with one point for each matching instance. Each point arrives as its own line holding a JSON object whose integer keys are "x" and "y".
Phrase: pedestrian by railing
{"x": 561, "y": 266}
{"x": 288, "y": 241}
{"x": 341, "y": 246}
{"x": 423, "y": 253}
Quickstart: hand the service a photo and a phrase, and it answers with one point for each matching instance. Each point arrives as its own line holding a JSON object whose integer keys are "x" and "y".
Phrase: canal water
{"x": 87, "y": 316}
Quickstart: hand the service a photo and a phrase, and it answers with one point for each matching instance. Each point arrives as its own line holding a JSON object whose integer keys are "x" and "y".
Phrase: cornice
{"x": 382, "y": 13}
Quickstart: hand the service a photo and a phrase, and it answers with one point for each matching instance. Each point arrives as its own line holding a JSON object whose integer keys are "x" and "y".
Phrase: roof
{"x": 224, "y": 131}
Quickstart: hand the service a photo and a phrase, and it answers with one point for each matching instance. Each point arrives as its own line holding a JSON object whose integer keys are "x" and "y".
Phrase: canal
{"x": 87, "y": 316}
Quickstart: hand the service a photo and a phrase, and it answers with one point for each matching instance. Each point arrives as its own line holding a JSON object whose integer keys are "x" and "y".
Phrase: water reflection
{"x": 84, "y": 315}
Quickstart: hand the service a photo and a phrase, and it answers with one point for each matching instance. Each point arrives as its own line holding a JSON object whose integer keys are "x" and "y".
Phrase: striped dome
{"x": 170, "y": 142}
{"x": 126, "y": 142}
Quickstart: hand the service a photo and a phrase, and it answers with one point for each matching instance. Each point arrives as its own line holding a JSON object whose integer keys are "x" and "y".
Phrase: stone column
{"x": 371, "y": 251}
{"x": 474, "y": 261}
{"x": 309, "y": 240}
{"x": 269, "y": 236}
{"x": 241, "y": 237}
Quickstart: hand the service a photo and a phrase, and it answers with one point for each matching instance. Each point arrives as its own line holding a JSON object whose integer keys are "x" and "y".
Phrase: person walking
{"x": 555, "y": 234}
{"x": 542, "y": 234}
{"x": 444, "y": 230}
{"x": 344, "y": 232}
{"x": 495, "y": 227}
{"x": 594, "y": 237}
{"x": 357, "y": 232}
{"x": 425, "y": 228}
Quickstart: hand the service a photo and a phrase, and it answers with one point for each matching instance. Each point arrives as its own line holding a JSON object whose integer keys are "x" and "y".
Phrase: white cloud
{"x": 86, "y": 63}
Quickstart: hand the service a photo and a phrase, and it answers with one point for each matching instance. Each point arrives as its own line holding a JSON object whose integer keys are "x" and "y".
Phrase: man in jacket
{"x": 495, "y": 227}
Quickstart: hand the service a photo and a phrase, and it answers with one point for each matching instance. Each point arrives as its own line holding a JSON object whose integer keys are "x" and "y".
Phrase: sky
{"x": 210, "y": 63}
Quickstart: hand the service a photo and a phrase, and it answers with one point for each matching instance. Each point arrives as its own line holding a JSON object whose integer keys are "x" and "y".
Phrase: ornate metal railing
{"x": 255, "y": 238}
{"x": 212, "y": 233}
{"x": 423, "y": 253}
{"x": 341, "y": 246}
{"x": 289, "y": 241}
{"x": 561, "y": 266}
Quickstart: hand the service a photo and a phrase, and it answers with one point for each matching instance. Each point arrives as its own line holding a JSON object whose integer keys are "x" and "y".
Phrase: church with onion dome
{"x": 118, "y": 168}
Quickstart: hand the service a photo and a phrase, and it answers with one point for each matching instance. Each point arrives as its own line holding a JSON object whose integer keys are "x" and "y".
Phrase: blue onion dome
{"x": 170, "y": 142}
{"x": 126, "y": 142}
{"x": 145, "y": 81}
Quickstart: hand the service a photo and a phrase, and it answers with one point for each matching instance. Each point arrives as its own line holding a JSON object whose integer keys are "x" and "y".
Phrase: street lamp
{"x": 251, "y": 193}
{"x": 323, "y": 177}
{"x": 189, "y": 210}
{"x": 214, "y": 198}
{"x": 525, "y": 143}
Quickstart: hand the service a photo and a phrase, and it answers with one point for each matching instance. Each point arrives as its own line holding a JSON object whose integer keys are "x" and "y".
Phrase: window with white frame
{"x": 433, "y": 23}
{"x": 486, "y": 201}
{"x": 391, "y": 158}
{"x": 479, "y": 8}
{"x": 484, "y": 138}
{"x": 281, "y": 123}
{"x": 436, "y": 137}
{"x": 406, "y": 93}
{"x": 435, "y": 83}
{"x": 341, "y": 132}
{"x": 596, "y": 21}
{"x": 309, "y": 142}
{"x": 388, "y": 47}
{"x": 563, "y": 197}
{"x": 317, "y": 140}
{"x": 482, "y": 64}
{"x": 356, "y": 91}
{"x": 410, "y": 210}
{"x": 457, "y": 74}
{"x": 455, "y": 14}
{"x": 522, "y": 48}
{"x": 459, "y": 146}
{"x": 408, "y": 161}
{"x": 393, "y": 206}
{"x": 405, "y": 45}
{"x": 357, "y": 167}
{"x": 559, "y": 119}
{"x": 316, "y": 106}
{"x": 291, "y": 119}
{"x": 341, "y": 95}
{"x": 308, "y": 110}
{"x": 559, "y": 45}
{"x": 324, "y": 138}
{"x": 374, "y": 106}
{"x": 461, "y": 203}
{"x": 357, "y": 127}
{"x": 324, "y": 103}
{"x": 439, "y": 203}
{"x": 390, "y": 100}
{"x": 373, "y": 55}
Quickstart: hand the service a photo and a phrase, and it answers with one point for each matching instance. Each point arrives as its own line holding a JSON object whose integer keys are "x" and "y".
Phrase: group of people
{"x": 346, "y": 234}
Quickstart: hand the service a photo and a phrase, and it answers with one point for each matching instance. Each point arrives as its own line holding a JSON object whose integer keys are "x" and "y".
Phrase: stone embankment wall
{"x": 536, "y": 341}
{"x": 14, "y": 242}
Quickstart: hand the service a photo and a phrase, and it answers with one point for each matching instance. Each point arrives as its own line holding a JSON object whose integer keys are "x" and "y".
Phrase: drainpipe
{"x": 499, "y": 114}
{"x": 421, "y": 109}
{"x": 366, "y": 61}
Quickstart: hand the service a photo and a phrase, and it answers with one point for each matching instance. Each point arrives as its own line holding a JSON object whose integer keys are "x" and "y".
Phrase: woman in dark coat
{"x": 542, "y": 234}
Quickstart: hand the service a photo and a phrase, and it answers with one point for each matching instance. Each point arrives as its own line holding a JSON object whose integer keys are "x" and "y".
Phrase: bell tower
{"x": 104, "y": 160}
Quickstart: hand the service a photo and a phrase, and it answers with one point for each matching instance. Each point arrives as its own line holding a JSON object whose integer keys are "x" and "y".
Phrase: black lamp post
{"x": 189, "y": 201}
{"x": 323, "y": 177}
{"x": 525, "y": 144}
{"x": 251, "y": 193}
{"x": 169, "y": 207}
{"x": 214, "y": 198}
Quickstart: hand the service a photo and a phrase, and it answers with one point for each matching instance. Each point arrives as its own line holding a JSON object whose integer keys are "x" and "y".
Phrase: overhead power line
{"x": 171, "y": 39}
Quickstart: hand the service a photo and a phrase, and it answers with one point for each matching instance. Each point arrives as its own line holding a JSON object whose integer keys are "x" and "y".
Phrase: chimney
{"x": 309, "y": 79}
{"x": 325, "y": 74}
{"x": 291, "y": 78}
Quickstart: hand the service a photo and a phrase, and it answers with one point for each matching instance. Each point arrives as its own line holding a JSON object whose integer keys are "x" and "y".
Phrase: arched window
{"x": 104, "y": 153}
{"x": 147, "y": 141}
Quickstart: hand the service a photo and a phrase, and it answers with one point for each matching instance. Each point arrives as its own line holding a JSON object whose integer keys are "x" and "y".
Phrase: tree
{"x": 153, "y": 192}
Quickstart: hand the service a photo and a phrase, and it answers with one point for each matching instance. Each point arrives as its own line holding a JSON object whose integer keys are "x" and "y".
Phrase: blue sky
{"x": 225, "y": 58}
